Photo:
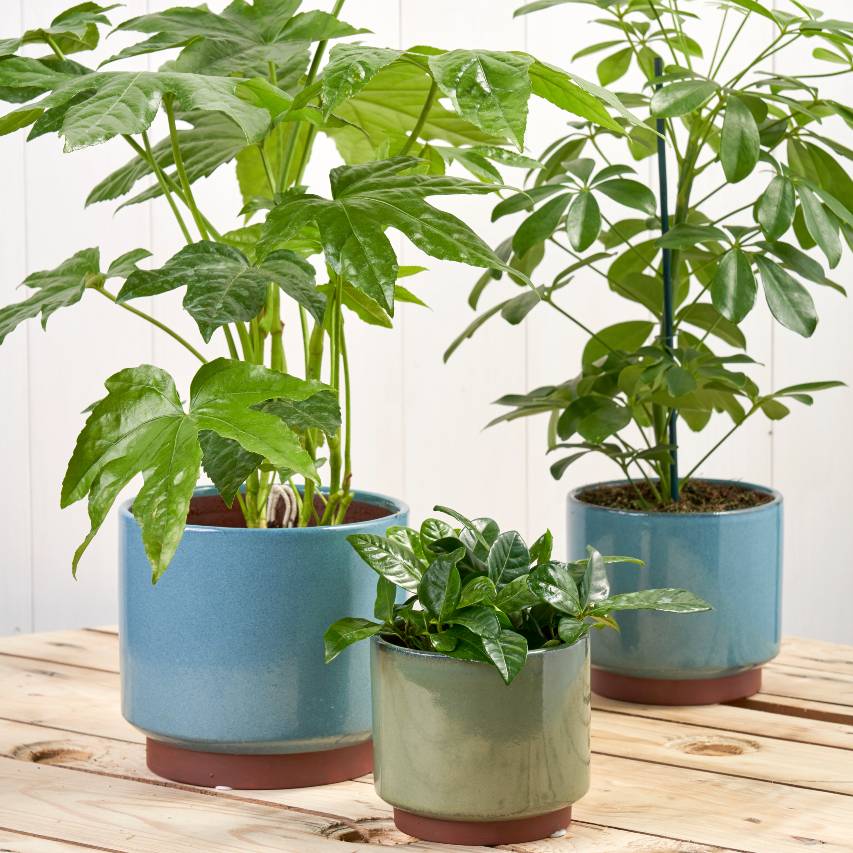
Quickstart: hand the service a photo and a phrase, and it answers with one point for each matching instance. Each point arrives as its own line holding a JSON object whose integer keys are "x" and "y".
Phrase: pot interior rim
{"x": 574, "y": 498}
{"x": 397, "y": 510}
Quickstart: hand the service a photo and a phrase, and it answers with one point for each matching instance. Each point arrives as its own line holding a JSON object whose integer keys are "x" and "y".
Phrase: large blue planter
{"x": 222, "y": 661}
{"x": 731, "y": 559}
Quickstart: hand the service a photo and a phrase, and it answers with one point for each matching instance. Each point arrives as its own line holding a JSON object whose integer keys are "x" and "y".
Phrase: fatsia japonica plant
{"x": 480, "y": 594}
{"x": 252, "y": 86}
{"x": 693, "y": 261}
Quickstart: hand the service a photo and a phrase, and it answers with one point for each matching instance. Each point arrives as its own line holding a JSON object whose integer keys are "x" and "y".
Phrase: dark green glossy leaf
{"x": 349, "y": 69}
{"x": 790, "y": 303}
{"x": 479, "y": 620}
{"x": 820, "y": 226}
{"x": 734, "y": 286}
{"x": 477, "y": 590}
{"x": 571, "y": 630}
{"x": 226, "y": 463}
{"x": 776, "y": 208}
{"x": 370, "y": 198}
{"x": 740, "y": 144}
{"x": 553, "y": 583}
{"x": 508, "y": 558}
{"x": 540, "y": 550}
{"x": 583, "y": 221}
{"x": 488, "y": 88}
{"x": 686, "y": 236}
{"x": 541, "y": 224}
{"x": 516, "y": 595}
{"x": 345, "y": 632}
{"x": 508, "y": 652}
{"x": 388, "y": 559}
{"x": 440, "y": 587}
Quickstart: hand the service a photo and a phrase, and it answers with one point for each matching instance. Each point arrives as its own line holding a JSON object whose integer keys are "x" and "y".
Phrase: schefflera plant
{"x": 716, "y": 121}
{"x": 248, "y": 85}
{"x": 479, "y": 594}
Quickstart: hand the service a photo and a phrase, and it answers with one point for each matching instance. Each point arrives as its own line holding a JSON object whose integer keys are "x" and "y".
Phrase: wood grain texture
{"x": 691, "y": 780}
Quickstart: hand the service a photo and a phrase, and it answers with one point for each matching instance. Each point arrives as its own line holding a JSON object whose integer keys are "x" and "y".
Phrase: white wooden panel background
{"x": 419, "y": 424}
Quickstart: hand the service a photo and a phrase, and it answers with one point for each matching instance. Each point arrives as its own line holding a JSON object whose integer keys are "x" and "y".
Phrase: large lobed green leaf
{"x": 141, "y": 427}
{"x": 366, "y": 200}
{"x": 223, "y": 287}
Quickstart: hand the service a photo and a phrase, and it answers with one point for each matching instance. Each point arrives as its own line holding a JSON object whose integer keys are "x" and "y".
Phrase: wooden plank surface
{"x": 73, "y": 774}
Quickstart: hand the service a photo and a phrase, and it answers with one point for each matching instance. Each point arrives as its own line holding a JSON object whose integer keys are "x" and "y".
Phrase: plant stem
{"x": 167, "y": 192}
{"x": 267, "y": 168}
{"x": 347, "y": 414}
{"x": 419, "y": 124}
{"x": 55, "y": 47}
{"x": 154, "y": 322}
{"x": 277, "y": 357}
{"x": 716, "y": 447}
{"x": 232, "y": 347}
{"x": 181, "y": 170}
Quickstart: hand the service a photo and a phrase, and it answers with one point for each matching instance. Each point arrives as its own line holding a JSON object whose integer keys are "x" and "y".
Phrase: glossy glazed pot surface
{"x": 731, "y": 559}
{"x": 225, "y": 653}
{"x": 452, "y": 741}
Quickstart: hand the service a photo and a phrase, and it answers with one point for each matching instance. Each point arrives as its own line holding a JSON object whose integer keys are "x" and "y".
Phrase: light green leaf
{"x": 668, "y": 600}
{"x": 386, "y": 598}
{"x": 345, "y": 632}
{"x": 574, "y": 95}
{"x": 349, "y": 69}
{"x": 630, "y": 193}
{"x": 55, "y": 289}
{"x": 615, "y": 66}
{"x": 681, "y": 98}
{"x": 488, "y": 88}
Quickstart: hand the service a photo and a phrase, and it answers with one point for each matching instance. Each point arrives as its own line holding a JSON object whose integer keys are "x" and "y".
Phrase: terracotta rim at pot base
{"x": 258, "y": 772}
{"x": 687, "y": 691}
{"x": 478, "y": 833}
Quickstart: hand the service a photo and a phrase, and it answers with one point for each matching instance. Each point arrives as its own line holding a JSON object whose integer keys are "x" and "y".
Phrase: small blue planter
{"x": 222, "y": 661}
{"x": 731, "y": 559}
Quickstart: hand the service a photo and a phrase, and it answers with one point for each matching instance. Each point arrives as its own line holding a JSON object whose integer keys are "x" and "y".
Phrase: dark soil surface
{"x": 697, "y": 496}
{"x": 211, "y": 510}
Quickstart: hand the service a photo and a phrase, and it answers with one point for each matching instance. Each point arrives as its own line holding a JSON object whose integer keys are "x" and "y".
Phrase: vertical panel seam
{"x": 28, "y": 381}
{"x": 404, "y": 444}
{"x": 773, "y": 340}
{"x": 528, "y": 519}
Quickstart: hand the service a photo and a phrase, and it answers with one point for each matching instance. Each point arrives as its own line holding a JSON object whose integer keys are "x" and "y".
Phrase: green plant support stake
{"x": 668, "y": 336}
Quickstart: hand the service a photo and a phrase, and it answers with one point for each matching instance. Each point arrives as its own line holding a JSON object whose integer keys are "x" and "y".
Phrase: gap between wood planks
{"x": 526, "y": 848}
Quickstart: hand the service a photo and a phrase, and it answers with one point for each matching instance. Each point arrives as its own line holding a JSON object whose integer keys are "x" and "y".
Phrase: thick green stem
{"x": 147, "y": 154}
{"x": 419, "y": 124}
{"x": 277, "y": 357}
{"x": 181, "y": 169}
{"x": 154, "y": 322}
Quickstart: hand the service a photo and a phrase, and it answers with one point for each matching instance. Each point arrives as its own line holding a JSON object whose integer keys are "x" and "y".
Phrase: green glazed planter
{"x": 466, "y": 759}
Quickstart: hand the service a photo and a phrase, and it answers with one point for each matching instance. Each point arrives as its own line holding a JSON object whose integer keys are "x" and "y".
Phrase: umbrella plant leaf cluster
{"x": 696, "y": 273}
{"x": 249, "y": 87}
{"x": 479, "y": 594}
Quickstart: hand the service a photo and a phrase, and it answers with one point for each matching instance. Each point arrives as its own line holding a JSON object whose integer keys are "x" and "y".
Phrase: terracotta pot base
{"x": 660, "y": 691}
{"x": 258, "y": 772}
{"x": 486, "y": 833}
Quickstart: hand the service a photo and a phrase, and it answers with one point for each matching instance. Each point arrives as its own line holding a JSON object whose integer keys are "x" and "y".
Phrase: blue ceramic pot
{"x": 224, "y": 656}
{"x": 731, "y": 559}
